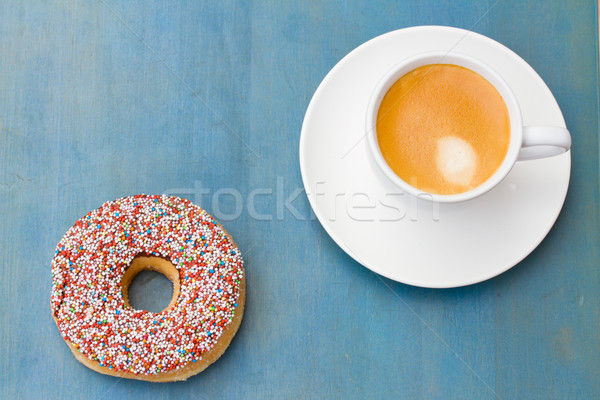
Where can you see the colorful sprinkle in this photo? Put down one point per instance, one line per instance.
(89, 264)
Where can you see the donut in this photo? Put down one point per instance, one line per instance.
(99, 256)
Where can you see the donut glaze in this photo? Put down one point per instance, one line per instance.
(99, 256)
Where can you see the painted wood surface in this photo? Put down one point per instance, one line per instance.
(101, 99)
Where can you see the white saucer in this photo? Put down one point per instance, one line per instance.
(391, 233)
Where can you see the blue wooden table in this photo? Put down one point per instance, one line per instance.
(101, 99)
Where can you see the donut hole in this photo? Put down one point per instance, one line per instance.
(150, 283)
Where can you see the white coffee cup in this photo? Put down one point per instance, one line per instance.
(526, 142)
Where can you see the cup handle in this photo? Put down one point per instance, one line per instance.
(543, 141)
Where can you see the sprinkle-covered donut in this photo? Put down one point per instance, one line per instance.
(100, 255)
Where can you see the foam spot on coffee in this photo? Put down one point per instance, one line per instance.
(456, 160)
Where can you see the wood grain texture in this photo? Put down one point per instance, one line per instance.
(110, 98)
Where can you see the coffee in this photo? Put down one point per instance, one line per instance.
(443, 129)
